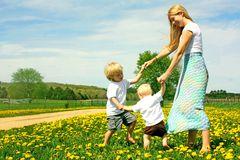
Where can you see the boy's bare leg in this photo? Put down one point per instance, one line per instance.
(146, 141)
(130, 131)
(164, 141)
(107, 137)
(191, 137)
(206, 141)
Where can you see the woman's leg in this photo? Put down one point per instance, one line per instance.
(206, 141)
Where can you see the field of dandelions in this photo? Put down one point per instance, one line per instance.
(82, 137)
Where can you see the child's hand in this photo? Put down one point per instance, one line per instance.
(159, 80)
(163, 83)
(148, 63)
(143, 66)
(163, 78)
(120, 107)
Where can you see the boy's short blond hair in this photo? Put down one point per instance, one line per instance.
(111, 69)
(144, 89)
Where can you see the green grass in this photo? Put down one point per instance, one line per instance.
(46, 106)
(227, 105)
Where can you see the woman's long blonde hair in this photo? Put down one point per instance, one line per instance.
(175, 31)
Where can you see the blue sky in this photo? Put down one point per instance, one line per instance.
(70, 41)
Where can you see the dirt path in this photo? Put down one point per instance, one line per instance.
(21, 121)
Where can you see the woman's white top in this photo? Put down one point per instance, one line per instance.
(195, 45)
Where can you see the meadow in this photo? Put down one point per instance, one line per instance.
(82, 137)
(38, 106)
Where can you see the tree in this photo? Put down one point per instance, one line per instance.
(25, 82)
(50, 93)
(69, 94)
(40, 91)
(3, 92)
(151, 73)
(59, 93)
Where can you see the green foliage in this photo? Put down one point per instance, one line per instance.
(27, 75)
(81, 92)
(3, 92)
(27, 82)
(16, 90)
(40, 91)
(61, 94)
(155, 70)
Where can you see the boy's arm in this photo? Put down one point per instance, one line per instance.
(163, 89)
(116, 102)
(137, 78)
(128, 108)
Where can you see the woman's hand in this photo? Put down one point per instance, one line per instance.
(162, 79)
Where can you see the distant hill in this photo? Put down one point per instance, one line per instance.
(92, 92)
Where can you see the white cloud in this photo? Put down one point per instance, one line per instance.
(15, 51)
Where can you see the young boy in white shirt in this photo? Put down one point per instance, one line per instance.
(151, 111)
(116, 94)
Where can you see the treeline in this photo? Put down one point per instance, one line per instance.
(221, 94)
(58, 91)
(55, 93)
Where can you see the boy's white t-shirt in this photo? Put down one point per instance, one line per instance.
(150, 109)
(119, 91)
(195, 45)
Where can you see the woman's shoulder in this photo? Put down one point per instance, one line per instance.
(192, 26)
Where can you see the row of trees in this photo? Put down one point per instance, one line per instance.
(58, 93)
(220, 94)
(65, 94)
(28, 83)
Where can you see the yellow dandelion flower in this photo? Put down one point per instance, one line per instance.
(209, 156)
(159, 156)
(27, 155)
(147, 155)
(118, 157)
(58, 147)
(101, 145)
(229, 156)
(194, 154)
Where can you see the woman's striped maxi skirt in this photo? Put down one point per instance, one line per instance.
(187, 112)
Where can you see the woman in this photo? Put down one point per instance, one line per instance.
(187, 112)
